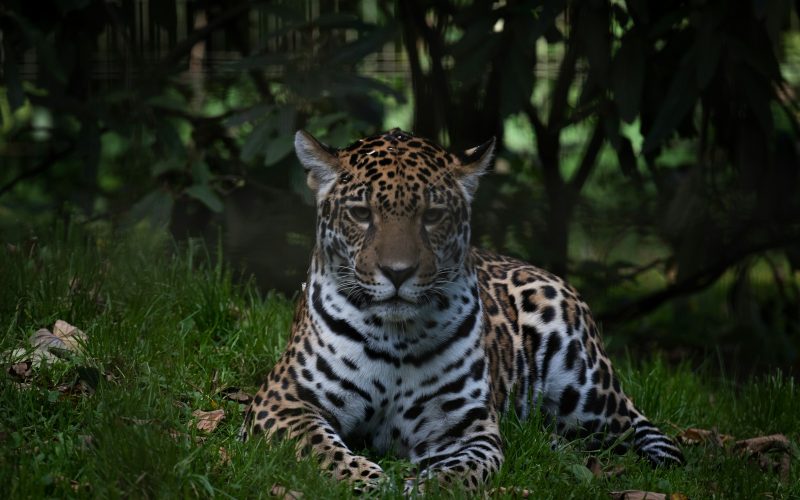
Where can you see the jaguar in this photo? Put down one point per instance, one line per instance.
(407, 340)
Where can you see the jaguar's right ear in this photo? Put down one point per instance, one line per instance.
(319, 160)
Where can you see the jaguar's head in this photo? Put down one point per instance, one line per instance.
(393, 216)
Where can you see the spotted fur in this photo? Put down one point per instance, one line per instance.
(407, 340)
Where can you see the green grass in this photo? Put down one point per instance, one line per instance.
(168, 330)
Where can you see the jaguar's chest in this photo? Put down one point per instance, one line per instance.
(391, 387)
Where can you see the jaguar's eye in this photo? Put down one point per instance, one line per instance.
(360, 214)
(433, 215)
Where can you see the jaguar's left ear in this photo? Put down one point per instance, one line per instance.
(319, 160)
(473, 163)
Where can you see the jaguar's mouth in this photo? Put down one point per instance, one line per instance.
(397, 300)
(395, 309)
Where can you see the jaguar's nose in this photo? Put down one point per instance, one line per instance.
(398, 275)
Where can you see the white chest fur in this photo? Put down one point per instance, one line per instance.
(395, 385)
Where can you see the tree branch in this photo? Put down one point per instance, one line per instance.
(538, 125)
(52, 158)
(182, 48)
(692, 283)
(589, 159)
(431, 90)
(566, 75)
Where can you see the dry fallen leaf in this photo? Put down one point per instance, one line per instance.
(593, 464)
(615, 471)
(74, 485)
(514, 491)
(596, 468)
(86, 441)
(139, 421)
(637, 495)
(694, 435)
(76, 286)
(761, 444)
(773, 453)
(79, 387)
(207, 421)
(224, 456)
(21, 370)
(281, 492)
(178, 436)
(49, 346)
(45, 346)
(237, 395)
(73, 338)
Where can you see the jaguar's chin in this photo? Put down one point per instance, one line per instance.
(396, 310)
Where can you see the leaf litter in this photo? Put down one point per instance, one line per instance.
(693, 436)
(236, 395)
(207, 421)
(280, 491)
(772, 453)
(66, 343)
(63, 343)
(645, 495)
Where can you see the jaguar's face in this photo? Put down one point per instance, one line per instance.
(392, 218)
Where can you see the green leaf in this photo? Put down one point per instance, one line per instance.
(66, 6)
(763, 62)
(16, 96)
(680, 99)
(339, 20)
(204, 194)
(627, 75)
(169, 139)
(759, 97)
(638, 10)
(88, 149)
(471, 67)
(278, 148)
(709, 48)
(201, 174)
(163, 13)
(593, 29)
(517, 81)
(155, 207)
(321, 123)
(165, 165)
(257, 140)
(581, 473)
(611, 129)
(367, 43)
(257, 62)
(251, 114)
(51, 61)
(288, 14)
(169, 100)
(627, 160)
(474, 37)
(590, 90)
(547, 16)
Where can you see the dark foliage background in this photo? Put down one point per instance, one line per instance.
(649, 150)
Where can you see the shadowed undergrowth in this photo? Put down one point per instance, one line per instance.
(169, 331)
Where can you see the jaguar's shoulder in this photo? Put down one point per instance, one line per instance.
(495, 267)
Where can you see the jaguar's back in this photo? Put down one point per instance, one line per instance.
(408, 340)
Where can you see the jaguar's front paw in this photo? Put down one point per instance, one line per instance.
(356, 468)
